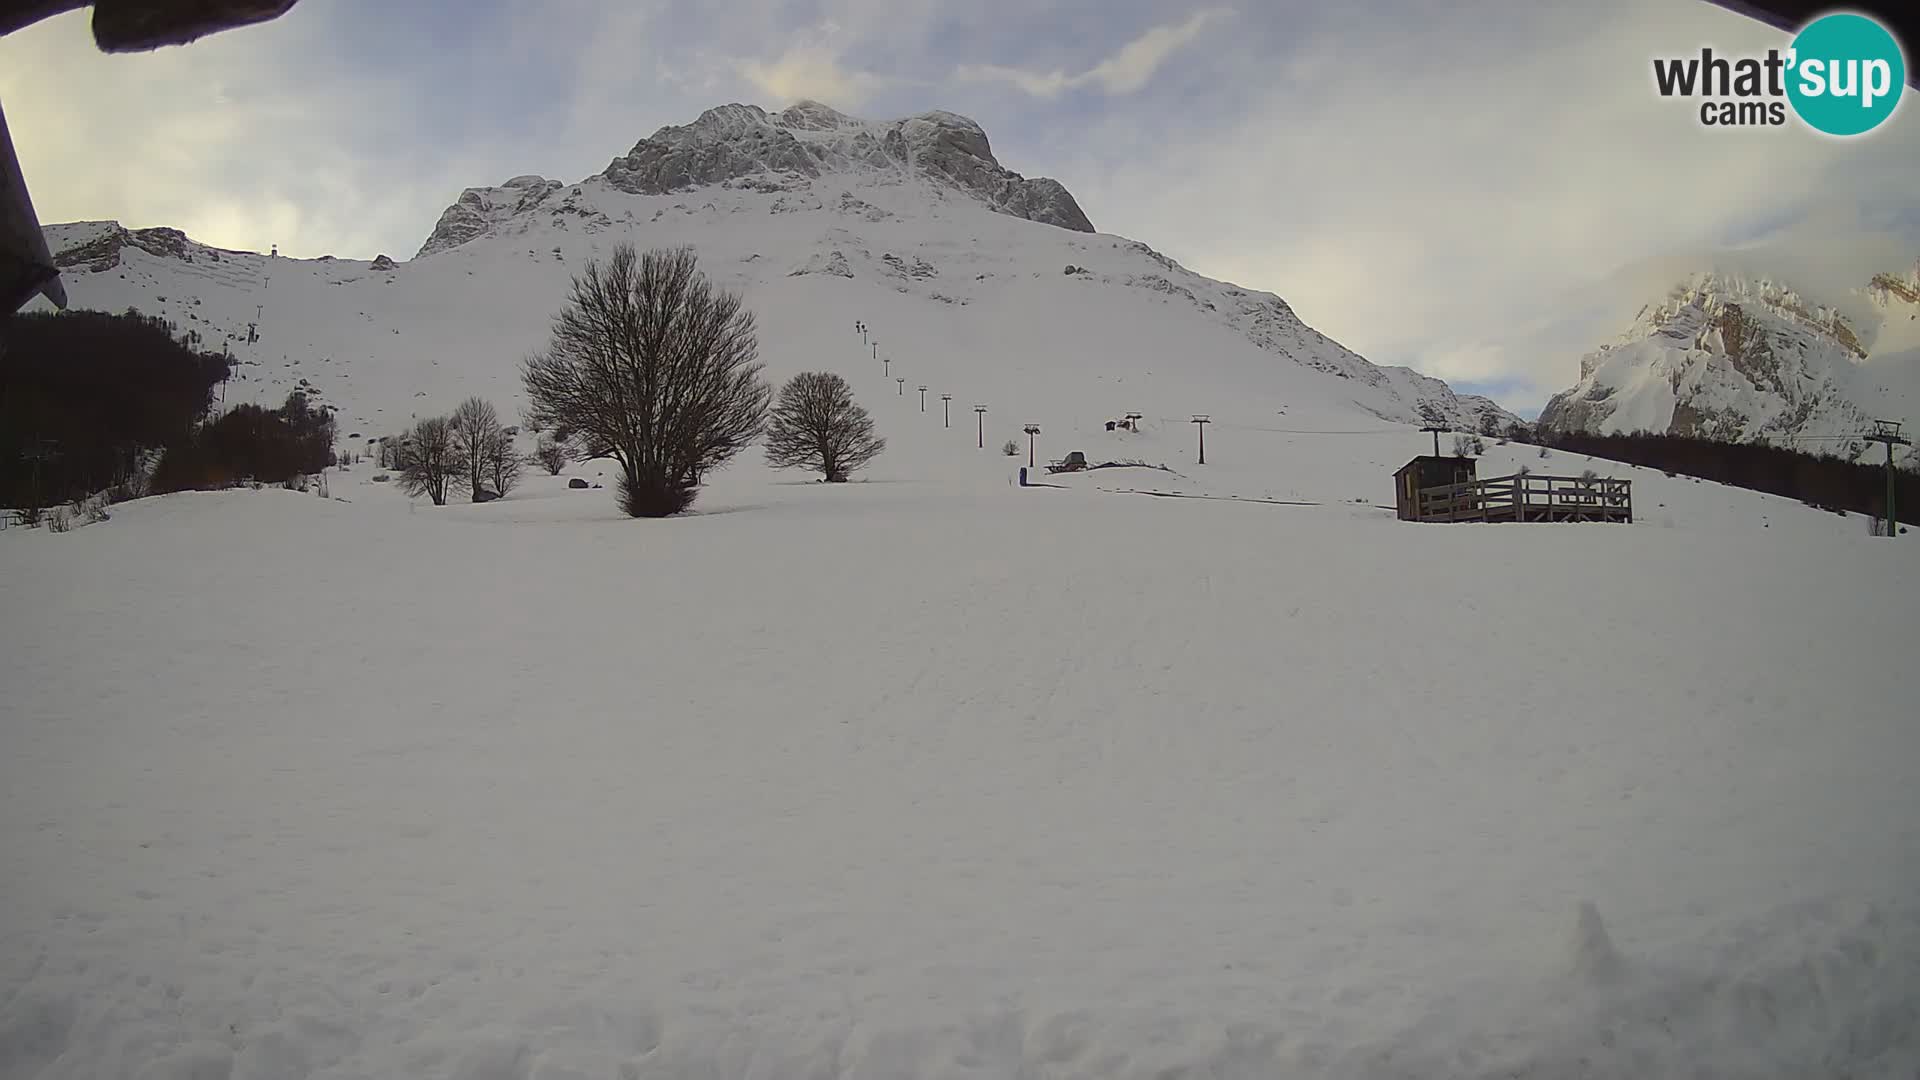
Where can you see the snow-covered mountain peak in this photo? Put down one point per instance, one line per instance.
(1716, 293)
(809, 145)
(809, 115)
(1743, 353)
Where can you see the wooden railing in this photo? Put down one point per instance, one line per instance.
(1529, 497)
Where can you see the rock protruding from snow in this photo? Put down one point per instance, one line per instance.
(481, 211)
(824, 262)
(1591, 951)
(381, 262)
(735, 142)
(100, 250)
(726, 143)
(952, 146)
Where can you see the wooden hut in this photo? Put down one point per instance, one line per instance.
(1427, 471)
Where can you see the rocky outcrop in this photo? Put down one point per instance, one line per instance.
(480, 211)
(726, 143)
(745, 147)
(832, 263)
(381, 262)
(102, 250)
(952, 147)
(744, 142)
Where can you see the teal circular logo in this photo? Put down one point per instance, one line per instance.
(1845, 74)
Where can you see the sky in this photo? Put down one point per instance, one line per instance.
(1463, 187)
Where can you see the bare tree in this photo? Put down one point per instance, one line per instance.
(551, 453)
(817, 425)
(503, 464)
(651, 365)
(476, 428)
(429, 460)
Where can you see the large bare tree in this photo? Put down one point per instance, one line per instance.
(653, 366)
(428, 459)
(817, 425)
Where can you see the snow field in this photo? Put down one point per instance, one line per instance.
(915, 778)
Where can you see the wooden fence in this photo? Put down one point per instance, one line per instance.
(1529, 497)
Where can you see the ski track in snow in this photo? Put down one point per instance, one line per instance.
(911, 779)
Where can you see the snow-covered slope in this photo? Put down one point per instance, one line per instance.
(820, 220)
(1739, 354)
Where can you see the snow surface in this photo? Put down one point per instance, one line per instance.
(935, 775)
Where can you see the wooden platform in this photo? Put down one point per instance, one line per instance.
(1529, 497)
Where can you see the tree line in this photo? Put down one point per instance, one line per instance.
(86, 396)
(1820, 480)
(249, 442)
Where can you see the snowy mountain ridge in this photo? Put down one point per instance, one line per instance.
(912, 217)
(781, 152)
(1739, 354)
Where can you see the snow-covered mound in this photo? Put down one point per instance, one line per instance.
(821, 220)
(1740, 355)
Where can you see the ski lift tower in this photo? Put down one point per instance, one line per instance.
(1888, 431)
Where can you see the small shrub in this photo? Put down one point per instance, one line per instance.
(1011, 449)
(59, 519)
(551, 454)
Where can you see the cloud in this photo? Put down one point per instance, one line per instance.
(1125, 72)
(1459, 188)
(810, 70)
(1457, 217)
